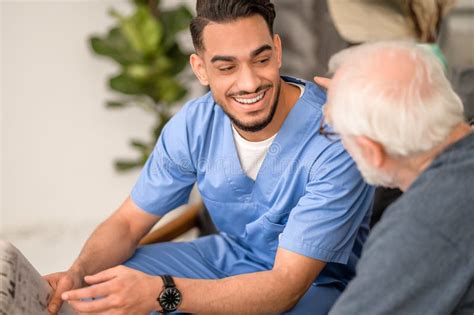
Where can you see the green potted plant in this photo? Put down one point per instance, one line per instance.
(151, 62)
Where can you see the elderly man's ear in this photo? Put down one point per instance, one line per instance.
(372, 151)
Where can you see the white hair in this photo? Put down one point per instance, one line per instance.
(395, 93)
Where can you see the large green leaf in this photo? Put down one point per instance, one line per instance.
(141, 146)
(115, 46)
(127, 85)
(142, 31)
(170, 90)
(174, 21)
(139, 71)
(171, 64)
(126, 165)
(179, 60)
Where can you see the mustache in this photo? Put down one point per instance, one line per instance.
(259, 89)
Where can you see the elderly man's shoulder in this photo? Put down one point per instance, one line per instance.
(442, 198)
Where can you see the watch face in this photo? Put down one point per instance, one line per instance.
(170, 299)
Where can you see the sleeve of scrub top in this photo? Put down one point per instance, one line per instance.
(167, 178)
(325, 222)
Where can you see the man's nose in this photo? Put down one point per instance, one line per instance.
(248, 80)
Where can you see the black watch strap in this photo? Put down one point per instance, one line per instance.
(168, 281)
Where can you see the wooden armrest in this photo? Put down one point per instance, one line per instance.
(186, 221)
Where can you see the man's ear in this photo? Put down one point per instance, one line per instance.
(372, 151)
(278, 49)
(199, 69)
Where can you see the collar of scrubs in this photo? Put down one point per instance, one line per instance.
(296, 128)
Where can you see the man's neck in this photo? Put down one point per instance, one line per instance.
(414, 166)
(289, 95)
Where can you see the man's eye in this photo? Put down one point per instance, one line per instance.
(263, 61)
(226, 69)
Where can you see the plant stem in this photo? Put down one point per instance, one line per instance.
(153, 5)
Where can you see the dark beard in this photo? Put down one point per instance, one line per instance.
(261, 124)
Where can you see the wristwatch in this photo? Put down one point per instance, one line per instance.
(170, 297)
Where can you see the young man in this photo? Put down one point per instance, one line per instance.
(290, 205)
(399, 118)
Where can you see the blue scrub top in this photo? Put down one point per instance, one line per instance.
(308, 197)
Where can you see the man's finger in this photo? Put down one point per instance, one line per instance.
(102, 276)
(95, 306)
(97, 290)
(324, 82)
(51, 280)
(64, 284)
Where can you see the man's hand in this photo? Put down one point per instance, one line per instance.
(118, 290)
(324, 82)
(112, 243)
(61, 282)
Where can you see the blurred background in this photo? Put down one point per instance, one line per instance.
(80, 107)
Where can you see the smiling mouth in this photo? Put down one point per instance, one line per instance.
(250, 101)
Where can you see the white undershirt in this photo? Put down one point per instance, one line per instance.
(251, 154)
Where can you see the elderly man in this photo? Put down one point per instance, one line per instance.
(399, 118)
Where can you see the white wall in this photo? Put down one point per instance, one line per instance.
(57, 139)
(1, 116)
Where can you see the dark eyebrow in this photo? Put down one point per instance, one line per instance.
(253, 54)
(260, 50)
(222, 58)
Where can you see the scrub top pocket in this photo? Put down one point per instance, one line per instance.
(272, 231)
(263, 235)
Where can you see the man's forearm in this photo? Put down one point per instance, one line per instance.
(254, 293)
(109, 245)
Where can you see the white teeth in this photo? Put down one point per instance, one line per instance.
(250, 100)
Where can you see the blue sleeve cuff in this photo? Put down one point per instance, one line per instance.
(326, 255)
(159, 211)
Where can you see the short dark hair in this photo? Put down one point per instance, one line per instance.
(221, 11)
